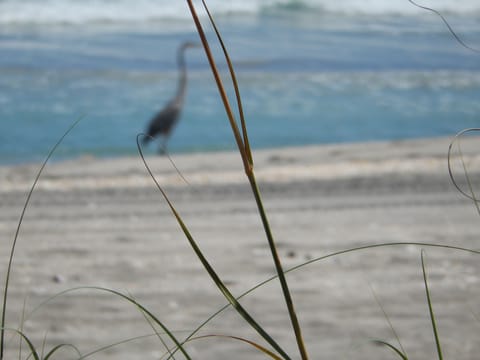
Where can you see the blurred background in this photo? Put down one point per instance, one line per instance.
(310, 72)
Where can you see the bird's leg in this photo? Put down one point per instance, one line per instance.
(162, 149)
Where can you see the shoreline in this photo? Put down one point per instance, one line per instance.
(280, 165)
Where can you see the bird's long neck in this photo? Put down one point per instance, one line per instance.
(182, 79)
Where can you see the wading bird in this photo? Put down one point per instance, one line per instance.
(165, 120)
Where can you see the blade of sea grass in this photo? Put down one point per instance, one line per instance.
(377, 300)
(145, 311)
(246, 142)
(61, 346)
(218, 282)
(17, 232)
(457, 140)
(397, 351)
(221, 89)
(249, 342)
(430, 309)
(248, 167)
(33, 350)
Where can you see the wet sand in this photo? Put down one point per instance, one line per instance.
(95, 222)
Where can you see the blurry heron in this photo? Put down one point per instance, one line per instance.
(165, 120)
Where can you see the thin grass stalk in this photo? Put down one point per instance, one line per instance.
(221, 89)
(17, 233)
(246, 142)
(245, 152)
(397, 351)
(145, 311)
(379, 303)
(216, 279)
(157, 333)
(467, 177)
(457, 139)
(61, 346)
(33, 351)
(280, 272)
(430, 309)
(450, 29)
(249, 342)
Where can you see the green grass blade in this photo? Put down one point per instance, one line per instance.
(280, 272)
(221, 88)
(399, 353)
(430, 309)
(33, 350)
(61, 346)
(471, 195)
(246, 142)
(377, 300)
(17, 232)
(157, 333)
(214, 276)
(249, 342)
(145, 311)
(246, 155)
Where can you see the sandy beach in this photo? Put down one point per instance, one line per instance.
(102, 222)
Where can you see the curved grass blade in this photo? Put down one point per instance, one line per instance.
(249, 342)
(157, 333)
(377, 300)
(61, 346)
(459, 40)
(384, 343)
(145, 311)
(456, 140)
(110, 346)
(33, 350)
(17, 232)
(430, 309)
(216, 279)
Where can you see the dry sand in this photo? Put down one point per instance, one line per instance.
(103, 223)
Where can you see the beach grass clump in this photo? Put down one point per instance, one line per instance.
(272, 349)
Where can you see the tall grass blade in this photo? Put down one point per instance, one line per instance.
(223, 289)
(430, 309)
(248, 166)
(17, 232)
(457, 38)
(221, 89)
(246, 142)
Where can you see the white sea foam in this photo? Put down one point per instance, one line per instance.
(26, 12)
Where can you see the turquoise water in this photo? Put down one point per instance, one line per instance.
(310, 72)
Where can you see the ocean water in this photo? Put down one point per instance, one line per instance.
(310, 72)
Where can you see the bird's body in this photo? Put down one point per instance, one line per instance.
(165, 120)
